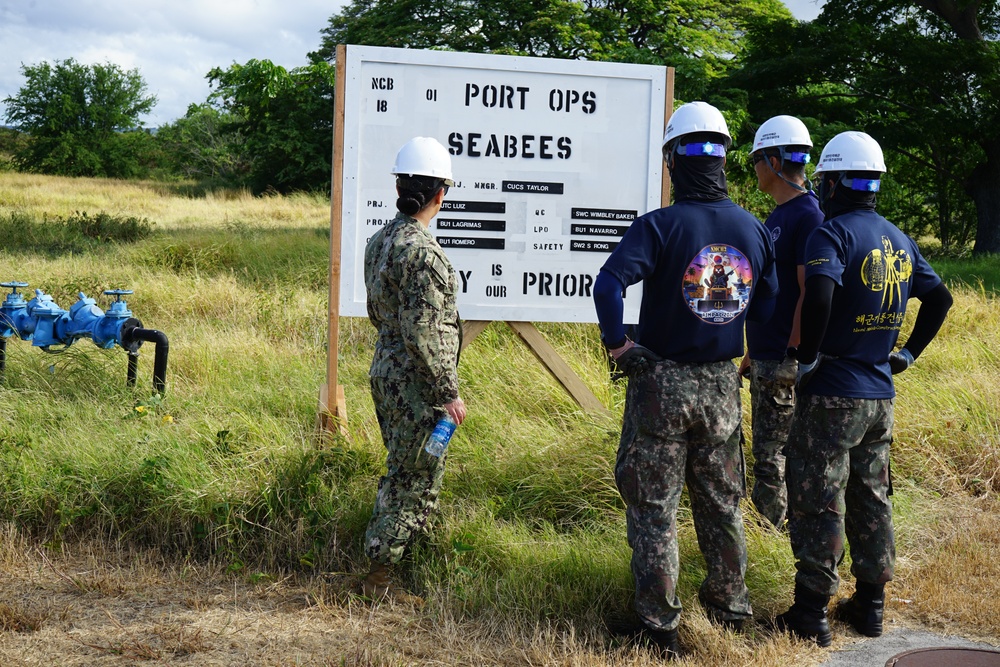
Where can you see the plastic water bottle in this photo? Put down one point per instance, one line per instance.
(437, 441)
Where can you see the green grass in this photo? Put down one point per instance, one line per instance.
(227, 466)
(981, 272)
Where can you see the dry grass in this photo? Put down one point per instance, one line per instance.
(956, 585)
(98, 605)
(159, 202)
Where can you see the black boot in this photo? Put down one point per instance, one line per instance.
(807, 617)
(715, 616)
(664, 642)
(863, 610)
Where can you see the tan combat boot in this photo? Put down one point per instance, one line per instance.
(378, 586)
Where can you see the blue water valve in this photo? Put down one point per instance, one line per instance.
(118, 307)
(13, 313)
(49, 321)
(109, 330)
(84, 318)
(47, 315)
(84, 307)
(45, 324)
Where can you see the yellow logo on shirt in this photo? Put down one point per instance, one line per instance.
(885, 271)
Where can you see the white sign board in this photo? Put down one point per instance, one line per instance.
(552, 159)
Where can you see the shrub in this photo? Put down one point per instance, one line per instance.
(111, 228)
(80, 232)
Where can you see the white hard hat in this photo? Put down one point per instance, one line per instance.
(696, 117)
(851, 151)
(424, 156)
(781, 131)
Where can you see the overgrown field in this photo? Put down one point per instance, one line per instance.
(227, 468)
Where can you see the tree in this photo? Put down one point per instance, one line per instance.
(11, 141)
(82, 119)
(286, 119)
(699, 39)
(203, 145)
(550, 28)
(921, 77)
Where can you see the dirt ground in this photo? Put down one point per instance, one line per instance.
(94, 606)
(91, 606)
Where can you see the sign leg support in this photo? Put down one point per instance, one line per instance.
(471, 329)
(332, 416)
(559, 369)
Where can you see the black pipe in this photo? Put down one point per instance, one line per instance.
(133, 368)
(130, 340)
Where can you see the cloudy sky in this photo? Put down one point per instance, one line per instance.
(173, 43)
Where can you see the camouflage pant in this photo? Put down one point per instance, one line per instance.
(682, 424)
(770, 421)
(408, 492)
(838, 480)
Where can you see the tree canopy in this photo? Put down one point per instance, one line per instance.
(285, 118)
(922, 77)
(699, 39)
(205, 145)
(81, 119)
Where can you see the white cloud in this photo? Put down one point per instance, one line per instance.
(173, 43)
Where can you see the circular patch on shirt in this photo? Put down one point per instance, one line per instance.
(717, 284)
(775, 234)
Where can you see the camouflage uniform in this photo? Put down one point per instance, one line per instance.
(838, 448)
(411, 301)
(682, 424)
(838, 466)
(771, 417)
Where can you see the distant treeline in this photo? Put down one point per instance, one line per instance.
(925, 82)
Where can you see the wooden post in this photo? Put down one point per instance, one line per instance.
(545, 353)
(332, 402)
(668, 110)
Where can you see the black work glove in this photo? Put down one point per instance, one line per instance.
(636, 360)
(806, 371)
(900, 361)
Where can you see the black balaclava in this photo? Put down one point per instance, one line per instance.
(844, 199)
(695, 177)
